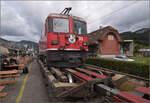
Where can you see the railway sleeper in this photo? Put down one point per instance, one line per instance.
(59, 75)
(82, 76)
(88, 75)
(93, 74)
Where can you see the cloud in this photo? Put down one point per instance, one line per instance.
(126, 17)
(14, 25)
(24, 20)
(130, 18)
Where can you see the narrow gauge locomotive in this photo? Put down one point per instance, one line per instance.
(64, 41)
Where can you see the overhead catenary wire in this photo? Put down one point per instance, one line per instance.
(113, 12)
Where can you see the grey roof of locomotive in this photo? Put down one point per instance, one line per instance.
(66, 16)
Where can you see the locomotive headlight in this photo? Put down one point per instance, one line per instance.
(85, 44)
(72, 38)
(54, 42)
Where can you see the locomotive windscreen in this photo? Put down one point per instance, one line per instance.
(79, 27)
(61, 25)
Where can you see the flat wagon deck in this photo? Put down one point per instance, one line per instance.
(84, 84)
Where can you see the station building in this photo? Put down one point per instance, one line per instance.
(106, 42)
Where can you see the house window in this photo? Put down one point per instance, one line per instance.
(110, 37)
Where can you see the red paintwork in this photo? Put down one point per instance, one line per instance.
(77, 79)
(96, 74)
(83, 76)
(71, 25)
(110, 47)
(46, 38)
(143, 90)
(132, 97)
(116, 99)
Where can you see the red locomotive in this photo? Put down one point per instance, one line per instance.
(64, 42)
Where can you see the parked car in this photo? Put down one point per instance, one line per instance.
(123, 58)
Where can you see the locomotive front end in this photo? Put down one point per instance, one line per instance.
(66, 41)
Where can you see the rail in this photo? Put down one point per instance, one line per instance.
(129, 75)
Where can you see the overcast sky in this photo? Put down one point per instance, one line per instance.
(22, 20)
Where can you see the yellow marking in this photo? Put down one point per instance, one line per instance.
(22, 87)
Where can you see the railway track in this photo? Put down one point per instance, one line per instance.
(116, 72)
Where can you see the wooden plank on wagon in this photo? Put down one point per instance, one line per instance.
(51, 78)
(118, 76)
(62, 84)
(80, 75)
(59, 74)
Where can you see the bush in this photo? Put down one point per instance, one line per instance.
(134, 68)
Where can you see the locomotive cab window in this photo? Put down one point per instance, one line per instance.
(60, 25)
(49, 25)
(79, 27)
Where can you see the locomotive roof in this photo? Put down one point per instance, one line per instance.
(66, 16)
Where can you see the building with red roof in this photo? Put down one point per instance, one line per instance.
(107, 40)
